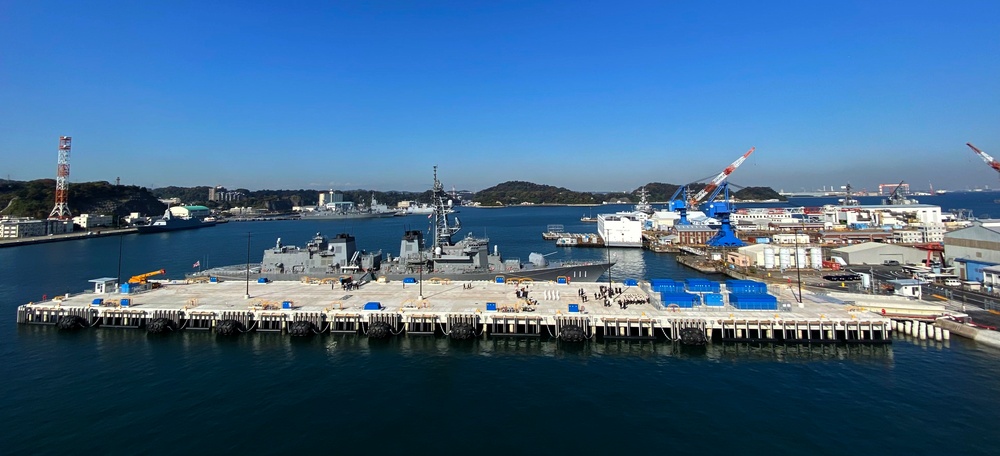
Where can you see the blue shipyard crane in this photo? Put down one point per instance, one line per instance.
(725, 237)
(678, 203)
(681, 205)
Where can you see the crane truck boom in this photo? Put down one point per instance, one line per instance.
(986, 157)
(714, 183)
(141, 278)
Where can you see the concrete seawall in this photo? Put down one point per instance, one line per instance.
(983, 336)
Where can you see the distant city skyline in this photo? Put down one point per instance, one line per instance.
(590, 96)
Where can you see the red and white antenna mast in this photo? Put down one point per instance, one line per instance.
(61, 211)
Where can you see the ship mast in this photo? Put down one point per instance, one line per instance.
(442, 231)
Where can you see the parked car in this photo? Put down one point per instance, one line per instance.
(842, 277)
(890, 263)
(953, 282)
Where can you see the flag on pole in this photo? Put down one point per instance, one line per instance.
(196, 264)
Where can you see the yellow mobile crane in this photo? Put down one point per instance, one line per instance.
(141, 278)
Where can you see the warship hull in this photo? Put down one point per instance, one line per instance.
(573, 273)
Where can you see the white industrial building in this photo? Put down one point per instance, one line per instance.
(88, 221)
(190, 211)
(19, 227)
(621, 230)
(883, 215)
(973, 249)
(768, 256)
(878, 253)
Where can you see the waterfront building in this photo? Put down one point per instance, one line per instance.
(766, 256)
(190, 211)
(877, 253)
(20, 227)
(87, 221)
(973, 249)
(621, 230)
(694, 234)
(219, 193)
(878, 215)
(854, 237)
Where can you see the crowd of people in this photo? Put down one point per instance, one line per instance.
(614, 295)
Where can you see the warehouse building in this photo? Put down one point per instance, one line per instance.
(878, 253)
(973, 249)
(190, 211)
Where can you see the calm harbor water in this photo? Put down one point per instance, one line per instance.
(125, 392)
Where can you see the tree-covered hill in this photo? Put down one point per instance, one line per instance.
(519, 192)
(37, 198)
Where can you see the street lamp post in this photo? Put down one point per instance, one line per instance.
(798, 267)
(248, 266)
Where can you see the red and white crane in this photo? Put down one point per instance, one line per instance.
(986, 157)
(717, 180)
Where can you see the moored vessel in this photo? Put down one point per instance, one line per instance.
(468, 259)
(171, 222)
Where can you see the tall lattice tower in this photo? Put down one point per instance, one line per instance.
(61, 211)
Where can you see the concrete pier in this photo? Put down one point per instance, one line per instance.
(460, 310)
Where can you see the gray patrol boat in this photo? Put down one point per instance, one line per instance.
(466, 259)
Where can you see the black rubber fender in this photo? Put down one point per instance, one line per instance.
(71, 322)
(301, 328)
(692, 336)
(379, 330)
(160, 326)
(462, 331)
(572, 333)
(228, 328)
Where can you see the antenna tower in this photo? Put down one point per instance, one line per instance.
(61, 211)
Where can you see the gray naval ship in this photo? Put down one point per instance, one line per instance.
(466, 259)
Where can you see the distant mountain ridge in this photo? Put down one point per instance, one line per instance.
(36, 198)
(519, 192)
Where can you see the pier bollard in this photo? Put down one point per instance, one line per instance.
(937, 333)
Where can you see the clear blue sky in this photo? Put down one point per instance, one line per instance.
(589, 95)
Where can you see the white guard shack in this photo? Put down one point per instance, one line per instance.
(105, 285)
(911, 288)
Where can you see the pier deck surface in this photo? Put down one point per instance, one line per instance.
(461, 298)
